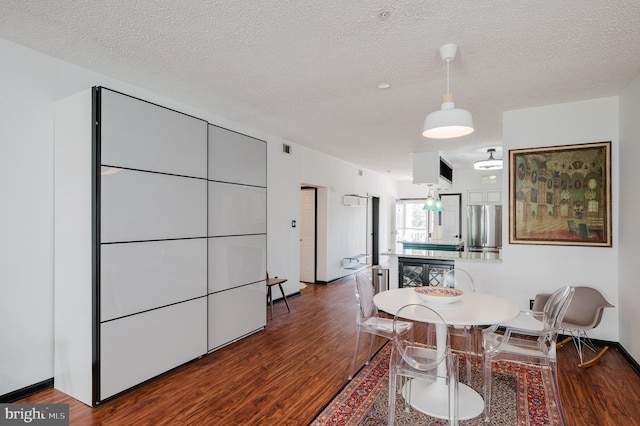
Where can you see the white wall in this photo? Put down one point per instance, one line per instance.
(283, 206)
(530, 269)
(31, 83)
(345, 225)
(629, 202)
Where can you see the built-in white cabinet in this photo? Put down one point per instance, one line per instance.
(236, 313)
(144, 136)
(139, 276)
(160, 241)
(484, 196)
(141, 206)
(236, 260)
(236, 158)
(237, 237)
(139, 347)
(247, 216)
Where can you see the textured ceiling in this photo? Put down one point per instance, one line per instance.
(308, 70)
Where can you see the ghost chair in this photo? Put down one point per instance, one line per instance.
(368, 321)
(462, 280)
(583, 314)
(528, 338)
(421, 372)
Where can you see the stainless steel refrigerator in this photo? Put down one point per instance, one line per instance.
(484, 227)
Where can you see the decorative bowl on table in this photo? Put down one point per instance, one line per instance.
(442, 295)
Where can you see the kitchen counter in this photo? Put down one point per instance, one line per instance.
(445, 255)
(433, 244)
(415, 267)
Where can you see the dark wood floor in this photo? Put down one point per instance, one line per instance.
(287, 373)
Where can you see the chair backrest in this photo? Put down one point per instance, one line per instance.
(364, 297)
(460, 279)
(585, 309)
(555, 308)
(584, 231)
(416, 348)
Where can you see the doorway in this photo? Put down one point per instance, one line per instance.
(373, 217)
(308, 233)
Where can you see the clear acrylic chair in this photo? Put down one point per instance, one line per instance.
(462, 280)
(583, 314)
(527, 338)
(416, 363)
(367, 319)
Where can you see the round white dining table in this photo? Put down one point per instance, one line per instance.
(471, 309)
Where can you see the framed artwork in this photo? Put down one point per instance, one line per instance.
(561, 195)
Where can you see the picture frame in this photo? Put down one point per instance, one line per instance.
(561, 195)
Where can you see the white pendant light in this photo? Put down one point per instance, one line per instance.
(448, 121)
(488, 164)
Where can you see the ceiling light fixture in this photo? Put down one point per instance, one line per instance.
(433, 202)
(448, 121)
(488, 164)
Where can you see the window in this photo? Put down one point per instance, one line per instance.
(411, 220)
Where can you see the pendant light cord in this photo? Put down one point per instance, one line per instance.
(448, 89)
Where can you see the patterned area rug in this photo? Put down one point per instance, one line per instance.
(521, 395)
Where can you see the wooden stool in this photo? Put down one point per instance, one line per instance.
(270, 283)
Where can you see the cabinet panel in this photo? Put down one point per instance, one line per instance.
(416, 272)
(475, 196)
(237, 158)
(236, 209)
(72, 270)
(139, 347)
(236, 312)
(135, 277)
(144, 136)
(494, 196)
(139, 206)
(236, 261)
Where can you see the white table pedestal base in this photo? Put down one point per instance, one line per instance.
(431, 398)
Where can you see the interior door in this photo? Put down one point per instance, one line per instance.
(308, 235)
(451, 218)
(373, 227)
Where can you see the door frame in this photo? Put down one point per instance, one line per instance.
(375, 228)
(315, 232)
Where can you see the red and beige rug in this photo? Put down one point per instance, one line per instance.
(521, 396)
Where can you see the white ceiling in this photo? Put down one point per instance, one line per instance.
(308, 70)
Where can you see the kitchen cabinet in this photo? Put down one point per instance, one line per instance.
(418, 272)
(484, 196)
(442, 245)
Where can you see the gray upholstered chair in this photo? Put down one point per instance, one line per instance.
(583, 314)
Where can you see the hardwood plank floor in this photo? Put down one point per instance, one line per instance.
(287, 373)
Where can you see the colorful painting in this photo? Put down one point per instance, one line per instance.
(561, 195)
